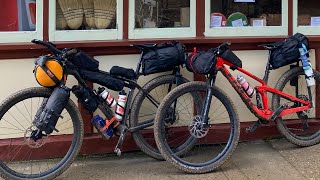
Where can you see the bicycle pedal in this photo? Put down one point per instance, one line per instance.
(117, 151)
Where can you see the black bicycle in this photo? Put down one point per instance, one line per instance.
(26, 151)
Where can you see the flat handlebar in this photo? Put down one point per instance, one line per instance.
(59, 53)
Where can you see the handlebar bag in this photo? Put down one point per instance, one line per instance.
(288, 52)
(103, 79)
(201, 62)
(163, 57)
(84, 61)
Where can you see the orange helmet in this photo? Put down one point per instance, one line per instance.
(48, 71)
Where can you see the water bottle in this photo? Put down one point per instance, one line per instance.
(306, 65)
(99, 123)
(111, 102)
(246, 86)
(122, 98)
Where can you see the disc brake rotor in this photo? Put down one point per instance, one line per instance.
(197, 129)
(34, 140)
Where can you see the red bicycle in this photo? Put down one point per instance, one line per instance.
(204, 111)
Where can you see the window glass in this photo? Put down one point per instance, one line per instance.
(308, 13)
(18, 15)
(240, 13)
(86, 14)
(162, 13)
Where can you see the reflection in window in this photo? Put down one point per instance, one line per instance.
(239, 13)
(162, 13)
(308, 13)
(86, 14)
(18, 15)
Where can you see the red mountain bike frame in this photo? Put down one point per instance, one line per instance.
(265, 113)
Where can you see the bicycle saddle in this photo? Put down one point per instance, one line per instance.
(144, 46)
(271, 46)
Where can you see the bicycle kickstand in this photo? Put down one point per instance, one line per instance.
(123, 132)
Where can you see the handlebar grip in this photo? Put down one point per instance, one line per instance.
(49, 45)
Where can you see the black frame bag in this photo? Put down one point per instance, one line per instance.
(163, 57)
(287, 51)
(84, 61)
(103, 79)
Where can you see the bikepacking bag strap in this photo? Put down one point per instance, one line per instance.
(50, 74)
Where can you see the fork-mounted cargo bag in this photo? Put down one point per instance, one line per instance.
(49, 112)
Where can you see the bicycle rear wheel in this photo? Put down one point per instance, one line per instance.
(302, 128)
(215, 142)
(144, 110)
(21, 157)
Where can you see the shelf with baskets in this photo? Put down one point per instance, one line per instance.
(230, 18)
(162, 19)
(306, 17)
(21, 20)
(80, 20)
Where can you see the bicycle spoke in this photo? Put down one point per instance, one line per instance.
(29, 156)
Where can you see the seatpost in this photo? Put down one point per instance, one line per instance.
(267, 71)
(139, 66)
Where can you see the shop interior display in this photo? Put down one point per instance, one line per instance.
(243, 13)
(162, 13)
(85, 14)
(308, 13)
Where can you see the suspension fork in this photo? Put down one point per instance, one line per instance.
(208, 97)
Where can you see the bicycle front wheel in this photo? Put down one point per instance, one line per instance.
(22, 157)
(215, 140)
(301, 128)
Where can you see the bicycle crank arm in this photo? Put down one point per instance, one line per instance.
(123, 132)
(277, 112)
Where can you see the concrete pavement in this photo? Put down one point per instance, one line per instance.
(274, 159)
